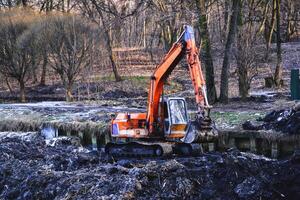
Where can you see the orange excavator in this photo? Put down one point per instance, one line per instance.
(166, 128)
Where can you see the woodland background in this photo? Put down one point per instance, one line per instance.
(243, 43)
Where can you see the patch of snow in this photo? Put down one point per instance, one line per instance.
(74, 141)
(26, 136)
(256, 156)
(49, 132)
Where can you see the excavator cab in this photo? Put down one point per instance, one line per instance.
(175, 117)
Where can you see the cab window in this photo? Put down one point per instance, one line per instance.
(178, 111)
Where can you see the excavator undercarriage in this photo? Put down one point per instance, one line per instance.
(155, 149)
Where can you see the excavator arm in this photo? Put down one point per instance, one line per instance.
(184, 46)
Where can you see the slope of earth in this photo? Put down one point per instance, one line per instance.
(31, 169)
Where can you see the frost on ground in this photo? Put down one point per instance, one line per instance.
(65, 116)
(31, 169)
(33, 116)
(58, 111)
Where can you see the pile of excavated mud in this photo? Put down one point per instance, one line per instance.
(285, 121)
(61, 169)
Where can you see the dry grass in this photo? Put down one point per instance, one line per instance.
(31, 126)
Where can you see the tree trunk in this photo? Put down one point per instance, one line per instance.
(230, 38)
(22, 91)
(69, 96)
(270, 30)
(278, 70)
(44, 69)
(34, 69)
(8, 85)
(244, 85)
(242, 58)
(144, 31)
(35, 79)
(114, 67)
(225, 27)
(111, 56)
(24, 3)
(205, 44)
(288, 25)
(108, 44)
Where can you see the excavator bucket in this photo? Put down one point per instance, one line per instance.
(201, 132)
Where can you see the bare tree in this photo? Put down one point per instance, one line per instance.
(41, 5)
(99, 11)
(108, 14)
(18, 52)
(278, 70)
(269, 25)
(170, 20)
(226, 61)
(246, 57)
(44, 67)
(70, 41)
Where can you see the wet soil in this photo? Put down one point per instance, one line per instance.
(284, 120)
(34, 169)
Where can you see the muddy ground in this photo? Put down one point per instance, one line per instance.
(32, 169)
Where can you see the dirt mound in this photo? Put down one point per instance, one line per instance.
(285, 120)
(35, 170)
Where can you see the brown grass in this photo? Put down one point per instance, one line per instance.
(29, 126)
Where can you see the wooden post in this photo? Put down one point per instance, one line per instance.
(107, 138)
(231, 143)
(144, 35)
(253, 145)
(80, 135)
(274, 150)
(94, 142)
(211, 147)
(56, 132)
(68, 133)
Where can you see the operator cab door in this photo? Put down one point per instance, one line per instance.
(176, 118)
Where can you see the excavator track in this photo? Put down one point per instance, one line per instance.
(144, 149)
(139, 149)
